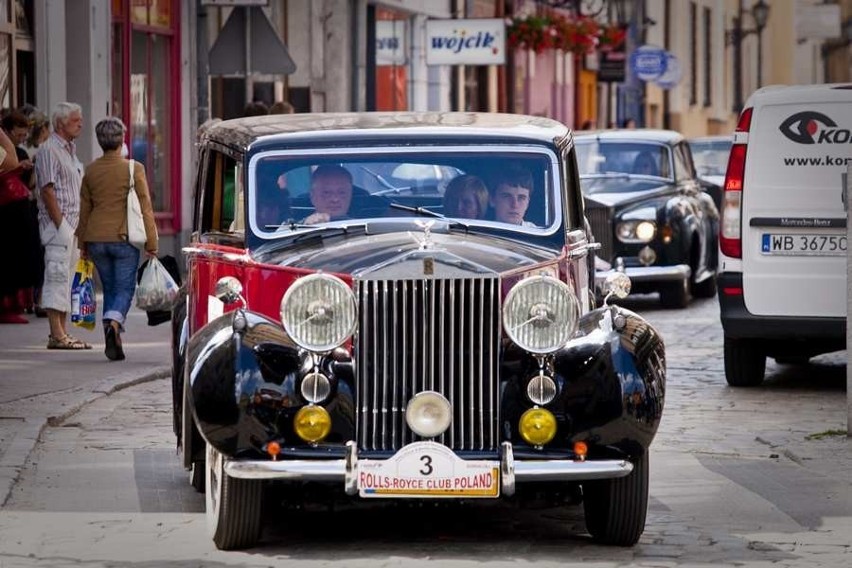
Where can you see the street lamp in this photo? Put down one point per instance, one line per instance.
(760, 15)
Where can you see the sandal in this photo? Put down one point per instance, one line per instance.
(66, 342)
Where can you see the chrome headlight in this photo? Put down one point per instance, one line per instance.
(636, 231)
(318, 312)
(540, 314)
(541, 389)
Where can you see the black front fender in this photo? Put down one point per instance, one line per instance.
(611, 384)
(232, 388)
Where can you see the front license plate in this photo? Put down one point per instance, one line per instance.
(428, 469)
(803, 245)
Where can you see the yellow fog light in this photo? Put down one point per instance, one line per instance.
(312, 423)
(537, 426)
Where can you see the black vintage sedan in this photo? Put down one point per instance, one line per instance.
(649, 212)
(398, 306)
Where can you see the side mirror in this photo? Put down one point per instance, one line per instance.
(616, 284)
(229, 290)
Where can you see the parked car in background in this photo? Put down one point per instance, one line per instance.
(710, 154)
(397, 352)
(783, 240)
(649, 212)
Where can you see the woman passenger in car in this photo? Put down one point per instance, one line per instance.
(466, 196)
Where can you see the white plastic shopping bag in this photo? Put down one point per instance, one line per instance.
(157, 290)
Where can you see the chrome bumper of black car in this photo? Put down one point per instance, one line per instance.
(511, 472)
(643, 274)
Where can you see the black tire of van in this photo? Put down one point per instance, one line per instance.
(745, 362)
(706, 288)
(675, 295)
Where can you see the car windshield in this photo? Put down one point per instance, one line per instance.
(710, 156)
(601, 157)
(294, 190)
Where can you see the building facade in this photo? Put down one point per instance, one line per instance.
(149, 62)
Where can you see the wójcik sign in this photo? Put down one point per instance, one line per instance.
(466, 42)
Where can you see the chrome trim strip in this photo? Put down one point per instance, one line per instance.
(451, 390)
(386, 412)
(395, 439)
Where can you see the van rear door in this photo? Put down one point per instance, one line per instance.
(793, 217)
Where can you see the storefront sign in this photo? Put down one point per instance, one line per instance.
(612, 65)
(390, 42)
(466, 42)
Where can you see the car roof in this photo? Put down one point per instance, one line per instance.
(627, 134)
(291, 127)
(713, 138)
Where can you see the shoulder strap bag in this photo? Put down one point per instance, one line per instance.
(135, 223)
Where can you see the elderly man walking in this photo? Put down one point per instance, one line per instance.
(58, 177)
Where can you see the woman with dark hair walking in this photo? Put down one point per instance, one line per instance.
(102, 230)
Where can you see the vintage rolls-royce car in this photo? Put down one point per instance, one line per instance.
(348, 324)
(649, 212)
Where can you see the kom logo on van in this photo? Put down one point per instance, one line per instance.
(811, 127)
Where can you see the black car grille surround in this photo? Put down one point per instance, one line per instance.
(600, 218)
(418, 335)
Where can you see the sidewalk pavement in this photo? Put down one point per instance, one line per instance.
(40, 387)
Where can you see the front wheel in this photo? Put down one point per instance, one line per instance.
(745, 362)
(615, 509)
(233, 506)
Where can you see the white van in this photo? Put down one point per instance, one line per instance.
(782, 281)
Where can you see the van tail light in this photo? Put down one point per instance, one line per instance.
(744, 123)
(730, 234)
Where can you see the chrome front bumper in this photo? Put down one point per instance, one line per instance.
(511, 472)
(637, 274)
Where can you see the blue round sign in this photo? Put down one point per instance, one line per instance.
(673, 74)
(648, 62)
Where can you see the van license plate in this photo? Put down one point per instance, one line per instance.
(803, 245)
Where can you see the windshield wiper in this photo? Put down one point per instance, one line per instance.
(380, 178)
(423, 212)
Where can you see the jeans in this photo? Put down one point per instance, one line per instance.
(116, 264)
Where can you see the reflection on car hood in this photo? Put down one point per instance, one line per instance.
(406, 255)
(611, 191)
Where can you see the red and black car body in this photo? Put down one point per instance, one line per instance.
(472, 344)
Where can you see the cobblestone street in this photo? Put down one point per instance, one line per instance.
(740, 477)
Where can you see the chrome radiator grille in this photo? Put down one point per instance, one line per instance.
(416, 335)
(600, 219)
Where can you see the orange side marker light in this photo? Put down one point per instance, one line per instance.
(273, 449)
(581, 450)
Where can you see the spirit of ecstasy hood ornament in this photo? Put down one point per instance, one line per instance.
(426, 241)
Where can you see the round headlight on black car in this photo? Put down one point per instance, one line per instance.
(540, 314)
(636, 231)
(318, 312)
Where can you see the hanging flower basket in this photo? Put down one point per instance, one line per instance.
(531, 33)
(611, 37)
(577, 35)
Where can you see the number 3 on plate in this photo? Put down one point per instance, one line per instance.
(427, 464)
